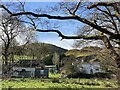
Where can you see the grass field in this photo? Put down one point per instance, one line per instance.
(58, 83)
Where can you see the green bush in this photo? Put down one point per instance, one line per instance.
(108, 84)
(55, 80)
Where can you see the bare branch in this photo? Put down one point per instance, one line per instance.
(6, 9)
(83, 20)
(76, 8)
(113, 21)
(100, 4)
(75, 17)
(71, 37)
(114, 5)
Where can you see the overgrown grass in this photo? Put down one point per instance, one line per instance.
(57, 75)
(16, 57)
(57, 83)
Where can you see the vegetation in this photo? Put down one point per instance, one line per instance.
(100, 23)
(91, 54)
(86, 51)
(56, 75)
(33, 49)
(56, 60)
(57, 83)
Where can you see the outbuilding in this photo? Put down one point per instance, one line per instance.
(30, 72)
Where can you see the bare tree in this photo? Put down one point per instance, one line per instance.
(11, 29)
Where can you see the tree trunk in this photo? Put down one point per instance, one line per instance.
(5, 58)
(118, 77)
(115, 56)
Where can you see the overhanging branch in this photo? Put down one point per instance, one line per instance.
(73, 17)
(71, 37)
(92, 37)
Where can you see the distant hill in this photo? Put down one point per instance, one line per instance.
(86, 53)
(53, 48)
(45, 46)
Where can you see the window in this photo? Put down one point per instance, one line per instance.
(97, 69)
(42, 71)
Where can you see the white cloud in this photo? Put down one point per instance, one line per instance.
(67, 44)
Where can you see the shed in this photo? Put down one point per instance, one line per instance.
(30, 72)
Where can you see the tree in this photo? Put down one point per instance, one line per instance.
(37, 50)
(105, 20)
(48, 60)
(68, 69)
(10, 30)
(106, 60)
(56, 60)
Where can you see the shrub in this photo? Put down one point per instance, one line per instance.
(108, 84)
(55, 80)
(23, 79)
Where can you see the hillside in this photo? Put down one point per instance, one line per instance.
(90, 54)
(39, 48)
(86, 51)
(53, 48)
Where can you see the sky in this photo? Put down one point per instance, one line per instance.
(59, 0)
(66, 28)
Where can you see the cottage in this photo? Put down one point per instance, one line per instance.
(30, 68)
(29, 72)
(89, 68)
(23, 72)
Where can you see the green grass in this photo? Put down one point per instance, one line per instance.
(57, 83)
(16, 57)
(54, 75)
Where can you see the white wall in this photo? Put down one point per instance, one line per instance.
(32, 70)
(87, 67)
(20, 69)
